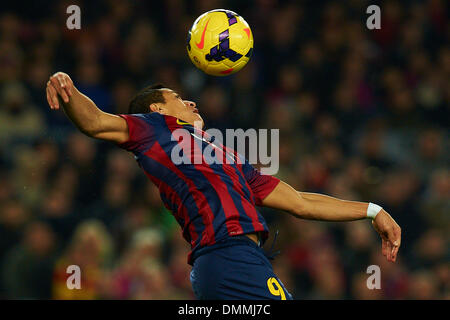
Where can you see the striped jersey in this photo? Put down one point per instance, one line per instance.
(210, 200)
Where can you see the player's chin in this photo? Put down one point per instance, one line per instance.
(198, 121)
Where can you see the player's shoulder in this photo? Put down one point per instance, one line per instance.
(153, 118)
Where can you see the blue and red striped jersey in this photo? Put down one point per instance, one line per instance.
(210, 201)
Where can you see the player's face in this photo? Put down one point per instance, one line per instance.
(182, 109)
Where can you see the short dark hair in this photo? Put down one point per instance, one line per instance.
(144, 98)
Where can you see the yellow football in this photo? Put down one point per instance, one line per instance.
(220, 42)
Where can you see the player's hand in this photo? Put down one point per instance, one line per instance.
(61, 85)
(390, 234)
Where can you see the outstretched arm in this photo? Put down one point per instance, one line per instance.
(315, 206)
(83, 112)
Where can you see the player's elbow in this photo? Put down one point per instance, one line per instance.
(302, 209)
(88, 131)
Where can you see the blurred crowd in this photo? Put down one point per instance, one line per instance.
(363, 115)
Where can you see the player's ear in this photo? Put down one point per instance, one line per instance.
(154, 107)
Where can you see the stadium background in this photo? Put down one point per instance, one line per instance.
(363, 115)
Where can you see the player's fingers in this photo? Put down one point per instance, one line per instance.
(394, 253)
(383, 247)
(394, 240)
(57, 84)
(53, 96)
(396, 247)
(64, 96)
(388, 250)
(49, 100)
(69, 85)
(48, 96)
(66, 85)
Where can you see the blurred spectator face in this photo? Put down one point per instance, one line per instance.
(9, 25)
(280, 116)
(39, 238)
(329, 282)
(56, 204)
(355, 171)
(66, 180)
(327, 127)
(332, 155)
(121, 165)
(91, 244)
(290, 79)
(38, 74)
(50, 31)
(88, 50)
(311, 54)
(11, 57)
(339, 186)
(419, 63)
(107, 31)
(287, 150)
(430, 144)
(444, 60)
(14, 98)
(147, 243)
(13, 214)
(143, 33)
(117, 192)
(402, 101)
(307, 104)
(440, 184)
(411, 35)
(89, 73)
(123, 92)
(359, 236)
(6, 189)
(423, 286)
(344, 97)
(48, 153)
(282, 26)
(392, 79)
(213, 102)
(353, 68)
(81, 149)
(136, 218)
(313, 173)
(372, 144)
(169, 76)
(245, 79)
(397, 187)
(432, 246)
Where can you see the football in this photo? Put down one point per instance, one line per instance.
(220, 42)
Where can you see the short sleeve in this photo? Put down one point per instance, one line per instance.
(141, 132)
(261, 185)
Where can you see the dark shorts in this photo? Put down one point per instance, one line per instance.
(236, 268)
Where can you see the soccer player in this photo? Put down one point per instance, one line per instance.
(215, 204)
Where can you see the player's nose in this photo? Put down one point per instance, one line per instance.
(191, 104)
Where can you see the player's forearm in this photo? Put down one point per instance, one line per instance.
(314, 206)
(321, 207)
(83, 112)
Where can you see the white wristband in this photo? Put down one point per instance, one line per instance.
(372, 210)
